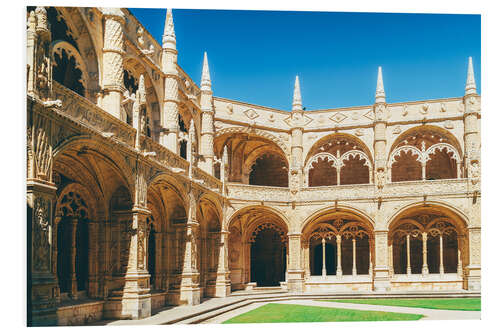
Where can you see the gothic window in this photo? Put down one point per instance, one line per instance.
(66, 72)
(269, 170)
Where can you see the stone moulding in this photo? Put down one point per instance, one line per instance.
(84, 112)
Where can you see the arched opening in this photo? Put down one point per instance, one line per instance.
(354, 171)
(253, 159)
(72, 244)
(338, 159)
(268, 258)
(441, 165)
(338, 243)
(257, 248)
(427, 240)
(317, 257)
(406, 168)
(66, 72)
(323, 173)
(269, 170)
(184, 134)
(425, 152)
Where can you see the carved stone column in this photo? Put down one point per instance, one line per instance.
(339, 256)
(307, 260)
(441, 263)
(295, 270)
(113, 62)
(473, 269)
(93, 289)
(425, 267)
(223, 283)
(381, 280)
(42, 290)
(408, 262)
(190, 279)
(42, 280)
(323, 267)
(72, 254)
(354, 270)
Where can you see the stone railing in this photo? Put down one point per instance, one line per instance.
(348, 192)
(258, 193)
(336, 192)
(163, 155)
(84, 112)
(208, 180)
(426, 187)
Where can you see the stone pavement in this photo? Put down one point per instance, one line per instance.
(214, 310)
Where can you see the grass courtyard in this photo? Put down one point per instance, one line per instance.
(291, 313)
(464, 304)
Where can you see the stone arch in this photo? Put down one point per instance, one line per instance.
(175, 185)
(85, 42)
(83, 143)
(354, 212)
(352, 161)
(337, 241)
(243, 210)
(449, 209)
(437, 152)
(256, 132)
(427, 238)
(135, 67)
(93, 207)
(61, 48)
(358, 142)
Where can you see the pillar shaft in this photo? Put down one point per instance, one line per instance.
(425, 267)
(323, 269)
(339, 255)
(113, 63)
(441, 264)
(354, 270)
(408, 262)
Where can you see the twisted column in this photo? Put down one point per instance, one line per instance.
(425, 267)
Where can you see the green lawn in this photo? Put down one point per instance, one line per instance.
(466, 304)
(291, 313)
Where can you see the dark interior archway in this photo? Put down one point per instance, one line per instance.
(268, 258)
(330, 259)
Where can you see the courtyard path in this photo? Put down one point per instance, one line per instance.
(429, 314)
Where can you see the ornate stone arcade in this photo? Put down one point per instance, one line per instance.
(144, 190)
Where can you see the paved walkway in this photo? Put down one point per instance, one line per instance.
(239, 302)
(429, 314)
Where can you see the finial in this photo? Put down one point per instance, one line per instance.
(206, 83)
(470, 85)
(380, 93)
(224, 157)
(192, 132)
(141, 91)
(31, 21)
(168, 39)
(297, 98)
(41, 18)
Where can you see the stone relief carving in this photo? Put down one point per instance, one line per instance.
(41, 234)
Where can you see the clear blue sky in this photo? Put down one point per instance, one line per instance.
(255, 55)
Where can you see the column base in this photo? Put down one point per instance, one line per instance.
(43, 307)
(381, 280)
(473, 278)
(127, 306)
(295, 282)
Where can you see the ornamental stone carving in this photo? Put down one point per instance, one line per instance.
(41, 234)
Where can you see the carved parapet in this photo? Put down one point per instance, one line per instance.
(207, 179)
(258, 193)
(163, 155)
(89, 115)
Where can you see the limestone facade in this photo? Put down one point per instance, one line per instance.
(143, 189)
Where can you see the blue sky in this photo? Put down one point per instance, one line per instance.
(255, 55)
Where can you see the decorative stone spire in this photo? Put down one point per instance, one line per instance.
(41, 19)
(206, 83)
(297, 98)
(470, 85)
(141, 91)
(168, 39)
(380, 93)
